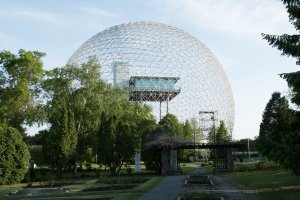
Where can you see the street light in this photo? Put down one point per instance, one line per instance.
(248, 150)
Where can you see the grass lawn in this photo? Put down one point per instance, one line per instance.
(120, 187)
(139, 190)
(90, 185)
(271, 184)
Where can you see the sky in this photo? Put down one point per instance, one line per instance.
(230, 28)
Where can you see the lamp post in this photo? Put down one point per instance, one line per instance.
(194, 144)
(248, 150)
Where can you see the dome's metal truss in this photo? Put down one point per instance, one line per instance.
(157, 50)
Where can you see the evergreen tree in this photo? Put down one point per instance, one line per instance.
(125, 147)
(188, 131)
(290, 45)
(14, 155)
(279, 135)
(222, 134)
(212, 134)
(61, 140)
(106, 138)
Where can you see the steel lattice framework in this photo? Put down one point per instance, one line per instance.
(149, 49)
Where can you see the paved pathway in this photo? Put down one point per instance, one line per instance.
(169, 188)
(172, 187)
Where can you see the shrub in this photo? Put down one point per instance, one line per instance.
(256, 166)
(129, 170)
(14, 155)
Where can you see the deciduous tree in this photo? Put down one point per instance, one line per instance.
(20, 79)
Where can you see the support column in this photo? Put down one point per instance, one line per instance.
(159, 110)
(137, 162)
(168, 104)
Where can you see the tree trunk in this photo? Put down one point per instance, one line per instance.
(113, 169)
(75, 167)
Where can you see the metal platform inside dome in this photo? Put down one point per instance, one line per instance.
(146, 88)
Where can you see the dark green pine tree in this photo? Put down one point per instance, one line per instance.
(106, 142)
(68, 140)
(125, 147)
(211, 137)
(188, 133)
(288, 152)
(222, 135)
(276, 130)
(290, 46)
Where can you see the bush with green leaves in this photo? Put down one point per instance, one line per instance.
(14, 155)
(256, 166)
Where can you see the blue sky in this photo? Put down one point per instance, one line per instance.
(230, 28)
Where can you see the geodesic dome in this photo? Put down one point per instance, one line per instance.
(149, 49)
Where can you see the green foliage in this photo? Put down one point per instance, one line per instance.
(88, 155)
(61, 140)
(120, 133)
(212, 134)
(20, 78)
(188, 131)
(256, 166)
(253, 144)
(14, 155)
(170, 124)
(76, 97)
(36, 154)
(124, 142)
(276, 121)
(218, 134)
(222, 134)
(279, 133)
(285, 135)
(293, 80)
(288, 44)
(36, 139)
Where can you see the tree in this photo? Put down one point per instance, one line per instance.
(285, 135)
(20, 79)
(279, 135)
(170, 124)
(188, 131)
(81, 91)
(212, 134)
(61, 140)
(222, 134)
(107, 143)
(14, 155)
(288, 44)
(119, 138)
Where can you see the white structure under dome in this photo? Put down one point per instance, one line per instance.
(149, 49)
